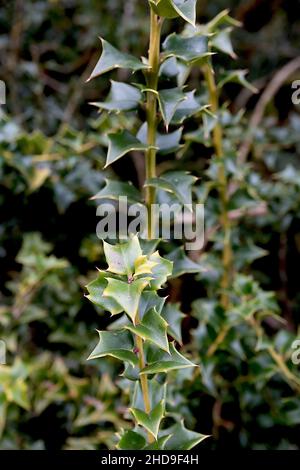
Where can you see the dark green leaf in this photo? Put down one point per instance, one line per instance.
(150, 421)
(164, 362)
(111, 59)
(131, 440)
(181, 438)
(152, 328)
(169, 101)
(118, 344)
(96, 289)
(122, 97)
(114, 189)
(173, 316)
(189, 49)
(121, 143)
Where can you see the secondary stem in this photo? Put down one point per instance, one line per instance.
(152, 121)
(223, 186)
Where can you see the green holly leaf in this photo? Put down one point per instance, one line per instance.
(152, 328)
(237, 76)
(163, 362)
(165, 143)
(169, 101)
(181, 438)
(183, 264)
(178, 183)
(122, 97)
(188, 49)
(160, 272)
(111, 59)
(150, 299)
(114, 189)
(117, 344)
(121, 258)
(222, 42)
(173, 68)
(221, 19)
(95, 295)
(188, 108)
(150, 421)
(120, 143)
(173, 316)
(174, 8)
(131, 440)
(127, 294)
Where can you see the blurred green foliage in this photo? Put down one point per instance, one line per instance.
(51, 160)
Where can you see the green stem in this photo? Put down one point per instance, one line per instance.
(152, 122)
(223, 186)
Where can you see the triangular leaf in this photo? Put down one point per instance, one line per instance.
(150, 421)
(222, 42)
(237, 76)
(127, 294)
(122, 97)
(169, 101)
(183, 264)
(118, 344)
(111, 59)
(165, 143)
(178, 183)
(188, 49)
(114, 189)
(173, 317)
(152, 328)
(121, 258)
(96, 289)
(181, 438)
(162, 362)
(121, 143)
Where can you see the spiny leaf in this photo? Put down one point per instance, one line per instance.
(178, 183)
(152, 328)
(220, 19)
(188, 49)
(188, 108)
(131, 440)
(181, 438)
(222, 42)
(165, 143)
(127, 294)
(160, 272)
(113, 189)
(150, 421)
(172, 67)
(121, 258)
(173, 8)
(237, 76)
(111, 59)
(121, 143)
(173, 316)
(96, 289)
(183, 264)
(162, 362)
(118, 344)
(150, 299)
(169, 101)
(122, 97)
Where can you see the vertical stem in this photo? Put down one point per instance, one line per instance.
(223, 186)
(152, 121)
